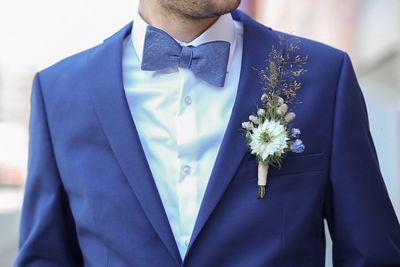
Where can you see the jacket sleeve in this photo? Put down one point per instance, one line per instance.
(363, 225)
(47, 230)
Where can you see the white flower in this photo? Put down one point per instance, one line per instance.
(247, 125)
(269, 138)
(280, 100)
(261, 112)
(264, 97)
(254, 119)
(290, 116)
(282, 109)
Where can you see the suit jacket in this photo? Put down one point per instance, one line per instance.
(91, 200)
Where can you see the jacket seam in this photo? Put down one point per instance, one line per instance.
(48, 126)
(339, 76)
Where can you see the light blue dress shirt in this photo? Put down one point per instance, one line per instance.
(181, 121)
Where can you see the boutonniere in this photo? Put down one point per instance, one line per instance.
(269, 133)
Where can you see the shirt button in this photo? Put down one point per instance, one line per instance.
(187, 243)
(186, 169)
(188, 100)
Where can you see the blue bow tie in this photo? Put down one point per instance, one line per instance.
(207, 61)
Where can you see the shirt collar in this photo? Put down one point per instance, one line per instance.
(222, 30)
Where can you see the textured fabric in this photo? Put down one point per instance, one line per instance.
(91, 200)
(181, 121)
(208, 61)
(219, 31)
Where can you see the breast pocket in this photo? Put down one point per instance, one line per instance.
(291, 165)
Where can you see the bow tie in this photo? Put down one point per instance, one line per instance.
(207, 61)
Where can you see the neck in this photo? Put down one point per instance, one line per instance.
(181, 28)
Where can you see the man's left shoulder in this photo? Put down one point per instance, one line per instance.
(260, 37)
(315, 50)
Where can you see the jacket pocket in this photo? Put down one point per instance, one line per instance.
(291, 165)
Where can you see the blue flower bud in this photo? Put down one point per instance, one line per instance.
(297, 146)
(295, 132)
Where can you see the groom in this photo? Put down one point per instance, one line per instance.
(137, 157)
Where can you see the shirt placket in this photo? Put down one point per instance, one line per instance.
(187, 150)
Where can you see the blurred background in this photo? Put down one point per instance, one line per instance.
(36, 34)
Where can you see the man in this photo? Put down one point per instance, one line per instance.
(137, 158)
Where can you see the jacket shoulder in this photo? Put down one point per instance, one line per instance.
(318, 52)
(313, 46)
(71, 67)
(323, 60)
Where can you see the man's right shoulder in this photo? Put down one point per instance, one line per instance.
(74, 68)
(70, 68)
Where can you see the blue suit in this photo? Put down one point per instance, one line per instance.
(91, 200)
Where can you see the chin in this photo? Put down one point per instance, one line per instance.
(215, 8)
(227, 5)
(200, 9)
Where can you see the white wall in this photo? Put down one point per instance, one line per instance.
(41, 32)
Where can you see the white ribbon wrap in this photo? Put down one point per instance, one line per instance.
(262, 173)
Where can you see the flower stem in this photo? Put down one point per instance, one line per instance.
(261, 191)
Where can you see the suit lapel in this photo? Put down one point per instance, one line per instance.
(105, 82)
(257, 43)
